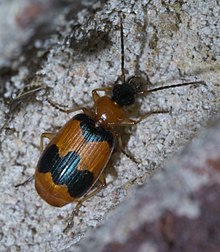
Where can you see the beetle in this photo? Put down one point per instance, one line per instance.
(70, 168)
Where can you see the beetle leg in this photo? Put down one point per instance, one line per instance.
(127, 154)
(80, 202)
(64, 109)
(102, 180)
(95, 95)
(70, 110)
(150, 113)
(25, 182)
(129, 122)
(43, 136)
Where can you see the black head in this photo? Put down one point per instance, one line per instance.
(124, 94)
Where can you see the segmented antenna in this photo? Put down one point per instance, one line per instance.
(174, 86)
(122, 48)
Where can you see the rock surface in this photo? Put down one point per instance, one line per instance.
(65, 49)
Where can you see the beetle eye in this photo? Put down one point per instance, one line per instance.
(123, 95)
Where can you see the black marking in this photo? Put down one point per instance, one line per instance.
(64, 171)
(93, 133)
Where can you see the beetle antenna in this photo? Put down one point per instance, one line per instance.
(122, 49)
(173, 86)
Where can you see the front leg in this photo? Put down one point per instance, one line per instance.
(129, 122)
(44, 135)
(95, 94)
(67, 110)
